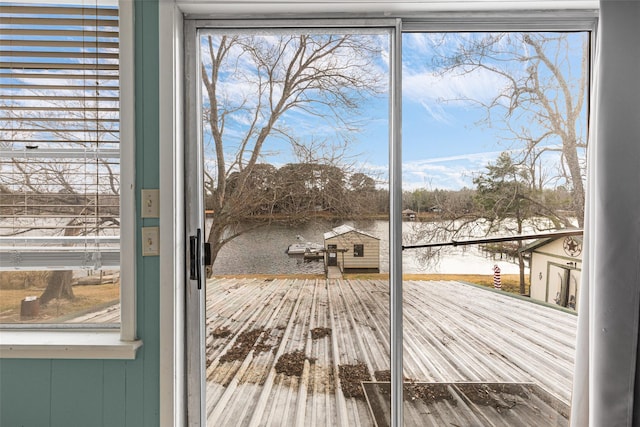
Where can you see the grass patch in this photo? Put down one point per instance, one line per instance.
(86, 297)
(510, 282)
(23, 279)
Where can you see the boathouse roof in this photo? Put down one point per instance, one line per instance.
(344, 229)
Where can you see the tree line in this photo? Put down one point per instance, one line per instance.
(443, 204)
(293, 191)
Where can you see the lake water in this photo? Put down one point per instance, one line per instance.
(262, 251)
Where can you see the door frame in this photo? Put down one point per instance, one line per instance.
(570, 273)
(332, 255)
(172, 395)
(195, 312)
(171, 17)
(195, 232)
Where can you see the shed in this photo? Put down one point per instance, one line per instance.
(555, 268)
(409, 214)
(353, 251)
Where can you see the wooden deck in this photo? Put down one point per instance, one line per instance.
(334, 273)
(454, 333)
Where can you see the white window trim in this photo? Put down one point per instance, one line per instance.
(259, 9)
(71, 344)
(172, 235)
(82, 342)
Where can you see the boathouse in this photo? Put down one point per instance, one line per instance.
(555, 267)
(408, 215)
(353, 251)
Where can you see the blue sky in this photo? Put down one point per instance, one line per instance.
(444, 146)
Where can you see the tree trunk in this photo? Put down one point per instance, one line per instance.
(215, 238)
(573, 163)
(523, 288)
(59, 282)
(58, 286)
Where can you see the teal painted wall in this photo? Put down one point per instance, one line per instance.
(87, 393)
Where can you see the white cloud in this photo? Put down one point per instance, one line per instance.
(483, 157)
(435, 93)
(447, 173)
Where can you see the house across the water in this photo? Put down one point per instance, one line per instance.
(351, 250)
(409, 215)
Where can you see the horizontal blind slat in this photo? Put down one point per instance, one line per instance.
(52, 10)
(57, 43)
(68, 109)
(44, 75)
(87, 87)
(59, 119)
(40, 32)
(61, 22)
(61, 98)
(59, 54)
(60, 139)
(56, 66)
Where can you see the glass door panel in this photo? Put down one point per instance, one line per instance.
(494, 147)
(295, 135)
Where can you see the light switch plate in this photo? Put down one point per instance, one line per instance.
(150, 203)
(150, 241)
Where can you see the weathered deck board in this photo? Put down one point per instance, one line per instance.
(110, 314)
(453, 333)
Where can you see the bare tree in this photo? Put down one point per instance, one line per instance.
(65, 194)
(252, 84)
(538, 110)
(362, 194)
(541, 106)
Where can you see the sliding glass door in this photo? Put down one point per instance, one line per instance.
(291, 138)
(341, 277)
(494, 144)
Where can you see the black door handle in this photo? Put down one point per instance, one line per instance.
(195, 258)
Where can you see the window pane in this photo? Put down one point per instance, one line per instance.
(494, 145)
(59, 164)
(296, 215)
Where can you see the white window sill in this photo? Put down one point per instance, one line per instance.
(67, 344)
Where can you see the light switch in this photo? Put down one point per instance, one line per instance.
(150, 203)
(150, 241)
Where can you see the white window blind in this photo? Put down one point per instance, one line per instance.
(59, 137)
